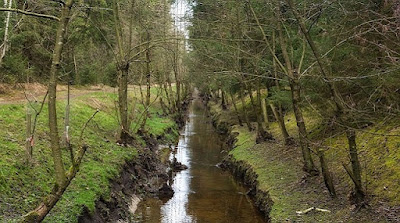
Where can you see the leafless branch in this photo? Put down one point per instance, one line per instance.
(30, 13)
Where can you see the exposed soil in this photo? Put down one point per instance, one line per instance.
(19, 93)
(144, 176)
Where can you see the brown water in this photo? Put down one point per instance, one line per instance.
(203, 192)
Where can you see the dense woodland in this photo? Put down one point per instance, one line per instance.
(263, 60)
(338, 59)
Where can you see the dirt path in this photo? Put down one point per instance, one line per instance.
(36, 92)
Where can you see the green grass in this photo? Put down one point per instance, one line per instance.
(274, 174)
(23, 187)
(279, 168)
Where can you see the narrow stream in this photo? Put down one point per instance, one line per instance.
(203, 192)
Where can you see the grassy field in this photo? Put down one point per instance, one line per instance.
(22, 186)
(279, 170)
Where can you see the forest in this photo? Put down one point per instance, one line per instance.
(304, 93)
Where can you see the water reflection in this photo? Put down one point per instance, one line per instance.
(175, 209)
(203, 193)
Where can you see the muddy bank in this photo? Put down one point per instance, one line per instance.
(242, 171)
(146, 175)
(245, 174)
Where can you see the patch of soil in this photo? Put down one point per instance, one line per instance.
(18, 93)
(177, 166)
(144, 176)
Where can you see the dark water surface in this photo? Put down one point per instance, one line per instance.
(203, 192)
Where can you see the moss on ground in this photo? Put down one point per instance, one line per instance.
(279, 169)
(22, 187)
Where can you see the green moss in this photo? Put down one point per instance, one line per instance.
(279, 168)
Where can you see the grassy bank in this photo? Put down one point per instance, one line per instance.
(279, 170)
(22, 187)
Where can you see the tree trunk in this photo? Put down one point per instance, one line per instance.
(262, 104)
(334, 93)
(223, 102)
(244, 109)
(6, 29)
(28, 145)
(51, 200)
(55, 66)
(355, 174)
(326, 174)
(170, 105)
(262, 135)
(62, 180)
(278, 114)
(236, 110)
(148, 86)
(309, 166)
(123, 103)
(265, 111)
(66, 126)
(163, 106)
(171, 94)
(177, 77)
(148, 73)
(123, 69)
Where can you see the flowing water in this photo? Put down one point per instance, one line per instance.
(203, 192)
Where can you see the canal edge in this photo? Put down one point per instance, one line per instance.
(242, 171)
(132, 184)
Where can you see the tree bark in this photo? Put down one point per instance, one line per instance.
(261, 103)
(309, 166)
(265, 112)
(334, 93)
(148, 85)
(278, 112)
(171, 94)
(170, 105)
(326, 174)
(55, 66)
(62, 179)
(359, 195)
(262, 135)
(123, 69)
(177, 78)
(236, 110)
(123, 102)
(6, 29)
(244, 109)
(28, 146)
(281, 123)
(223, 101)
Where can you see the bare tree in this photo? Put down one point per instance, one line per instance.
(4, 46)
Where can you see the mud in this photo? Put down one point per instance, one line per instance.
(143, 176)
